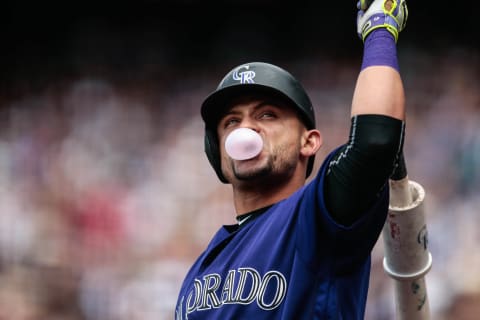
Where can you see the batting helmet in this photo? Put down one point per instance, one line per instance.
(254, 77)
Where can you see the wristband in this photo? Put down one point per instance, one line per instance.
(380, 50)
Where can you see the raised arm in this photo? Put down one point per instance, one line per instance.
(379, 88)
(361, 168)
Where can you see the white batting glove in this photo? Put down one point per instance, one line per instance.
(389, 14)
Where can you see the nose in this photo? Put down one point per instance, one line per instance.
(250, 123)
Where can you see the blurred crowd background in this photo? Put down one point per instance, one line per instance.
(106, 195)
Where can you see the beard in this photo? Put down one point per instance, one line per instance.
(279, 165)
(253, 173)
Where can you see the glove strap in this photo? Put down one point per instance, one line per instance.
(380, 50)
(381, 20)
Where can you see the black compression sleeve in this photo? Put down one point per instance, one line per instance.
(361, 168)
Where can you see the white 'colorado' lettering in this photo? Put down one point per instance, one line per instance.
(242, 286)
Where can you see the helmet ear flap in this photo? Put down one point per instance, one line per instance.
(213, 153)
(311, 162)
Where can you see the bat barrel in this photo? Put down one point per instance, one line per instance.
(407, 259)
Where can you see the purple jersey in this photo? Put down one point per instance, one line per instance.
(291, 262)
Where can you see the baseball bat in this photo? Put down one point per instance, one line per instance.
(407, 259)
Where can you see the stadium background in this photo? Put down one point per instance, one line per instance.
(106, 196)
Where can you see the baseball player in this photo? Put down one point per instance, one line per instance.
(300, 250)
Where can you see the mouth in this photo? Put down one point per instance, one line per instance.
(250, 159)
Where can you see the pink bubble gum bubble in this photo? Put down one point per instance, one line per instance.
(243, 144)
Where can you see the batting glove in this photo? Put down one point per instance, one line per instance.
(389, 14)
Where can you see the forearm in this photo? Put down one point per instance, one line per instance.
(379, 90)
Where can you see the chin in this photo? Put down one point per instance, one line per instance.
(252, 173)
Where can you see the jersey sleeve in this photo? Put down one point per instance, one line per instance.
(322, 237)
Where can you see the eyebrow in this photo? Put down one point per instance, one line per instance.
(259, 105)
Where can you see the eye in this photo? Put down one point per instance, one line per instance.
(267, 115)
(230, 121)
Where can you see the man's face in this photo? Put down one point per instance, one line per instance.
(280, 129)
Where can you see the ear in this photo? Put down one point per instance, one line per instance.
(311, 142)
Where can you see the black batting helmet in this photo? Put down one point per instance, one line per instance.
(254, 77)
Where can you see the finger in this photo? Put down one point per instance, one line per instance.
(364, 4)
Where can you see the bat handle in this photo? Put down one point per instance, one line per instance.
(400, 171)
(400, 190)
